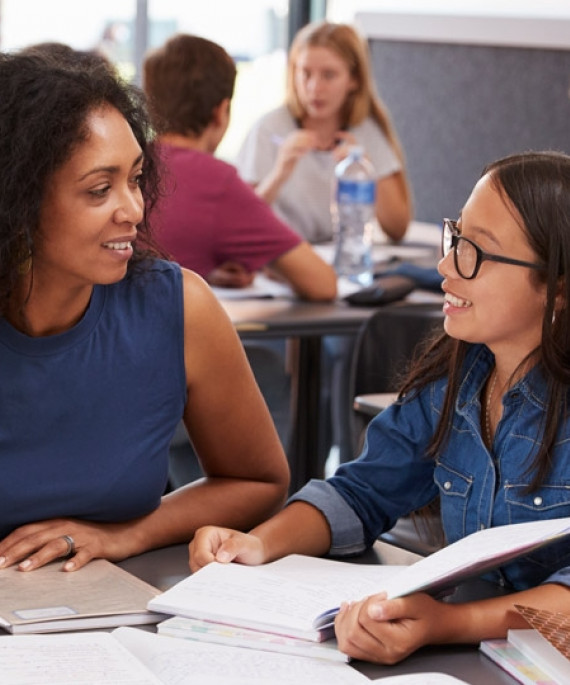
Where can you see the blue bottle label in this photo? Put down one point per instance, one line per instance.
(358, 192)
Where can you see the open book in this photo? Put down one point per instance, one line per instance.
(131, 656)
(99, 595)
(277, 599)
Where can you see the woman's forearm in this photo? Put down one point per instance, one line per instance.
(237, 503)
(487, 619)
(393, 209)
(300, 528)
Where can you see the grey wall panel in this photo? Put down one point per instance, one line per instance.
(458, 107)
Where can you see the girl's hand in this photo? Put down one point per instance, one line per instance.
(295, 146)
(345, 141)
(386, 631)
(211, 543)
(37, 544)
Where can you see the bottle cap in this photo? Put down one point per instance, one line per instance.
(356, 151)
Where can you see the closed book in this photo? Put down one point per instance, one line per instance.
(539, 650)
(515, 663)
(219, 633)
(99, 595)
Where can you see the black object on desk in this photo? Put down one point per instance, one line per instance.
(383, 290)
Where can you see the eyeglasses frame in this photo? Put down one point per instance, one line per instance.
(481, 255)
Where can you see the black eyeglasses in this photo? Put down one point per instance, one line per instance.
(468, 256)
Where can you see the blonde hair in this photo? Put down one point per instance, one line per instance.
(364, 101)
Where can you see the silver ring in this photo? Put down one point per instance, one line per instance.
(70, 545)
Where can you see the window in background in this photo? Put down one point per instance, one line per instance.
(107, 25)
(254, 33)
(345, 10)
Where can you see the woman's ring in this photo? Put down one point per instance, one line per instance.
(70, 545)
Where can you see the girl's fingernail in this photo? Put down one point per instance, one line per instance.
(375, 612)
(25, 564)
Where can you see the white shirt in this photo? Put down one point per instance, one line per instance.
(304, 199)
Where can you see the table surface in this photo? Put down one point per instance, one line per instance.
(165, 567)
(373, 403)
(288, 316)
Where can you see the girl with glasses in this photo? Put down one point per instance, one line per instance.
(481, 425)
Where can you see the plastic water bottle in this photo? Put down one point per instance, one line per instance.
(353, 212)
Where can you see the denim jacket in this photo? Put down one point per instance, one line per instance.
(477, 488)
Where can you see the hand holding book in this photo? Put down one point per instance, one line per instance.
(266, 598)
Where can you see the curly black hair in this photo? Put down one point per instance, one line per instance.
(44, 108)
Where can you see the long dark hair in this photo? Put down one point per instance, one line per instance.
(537, 185)
(46, 100)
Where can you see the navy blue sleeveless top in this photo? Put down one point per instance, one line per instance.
(86, 416)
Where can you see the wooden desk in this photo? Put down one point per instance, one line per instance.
(164, 567)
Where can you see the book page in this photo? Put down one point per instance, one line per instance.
(100, 588)
(475, 554)
(70, 659)
(262, 287)
(421, 679)
(268, 597)
(183, 662)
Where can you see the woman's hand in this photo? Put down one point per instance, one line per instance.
(295, 146)
(344, 141)
(386, 631)
(37, 544)
(224, 545)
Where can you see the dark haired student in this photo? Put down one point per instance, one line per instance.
(105, 347)
(481, 423)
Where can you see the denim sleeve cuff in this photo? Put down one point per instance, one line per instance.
(562, 576)
(347, 531)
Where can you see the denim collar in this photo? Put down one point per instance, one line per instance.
(478, 364)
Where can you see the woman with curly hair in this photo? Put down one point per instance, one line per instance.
(104, 345)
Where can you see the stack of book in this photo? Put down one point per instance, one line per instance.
(539, 655)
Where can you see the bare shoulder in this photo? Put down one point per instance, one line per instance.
(199, 300)
(204, 316)
(210, 338)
